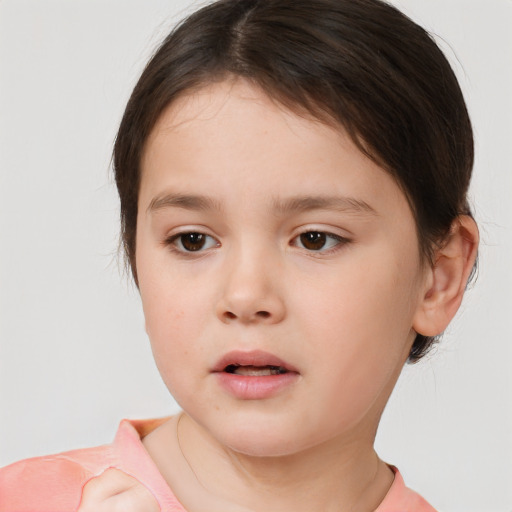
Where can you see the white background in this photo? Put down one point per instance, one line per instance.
(74, 358)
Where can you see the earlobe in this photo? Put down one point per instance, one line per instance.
(448, 277)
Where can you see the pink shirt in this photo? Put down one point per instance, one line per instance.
(54, 483)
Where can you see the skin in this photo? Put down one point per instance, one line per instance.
(344, 316)
(115, 491)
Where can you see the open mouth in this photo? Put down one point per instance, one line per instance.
(254, 363)
(255, 371)
(254, 374)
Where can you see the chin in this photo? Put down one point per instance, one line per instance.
(263, 439)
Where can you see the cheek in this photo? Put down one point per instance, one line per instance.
(168, 305)
(362, 301)
(170, 332)
(169, 299)
(358, 354)
(361, 322)
(171, 318)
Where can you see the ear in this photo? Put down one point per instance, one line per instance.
(446, 280)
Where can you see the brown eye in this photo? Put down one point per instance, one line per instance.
(313, 240)
(193, 241)
(320, 241)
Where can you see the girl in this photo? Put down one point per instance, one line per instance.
(293, 180)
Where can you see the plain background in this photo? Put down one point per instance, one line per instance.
(74, 358)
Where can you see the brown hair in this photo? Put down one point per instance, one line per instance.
(359, 63)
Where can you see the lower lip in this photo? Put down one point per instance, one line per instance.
(246, 387)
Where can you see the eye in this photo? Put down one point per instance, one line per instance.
(191, 242)
(318, 241)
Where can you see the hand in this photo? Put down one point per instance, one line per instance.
(115, 491)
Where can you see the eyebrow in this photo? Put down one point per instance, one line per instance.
(337, 203)
(281, 207)
(185, 201)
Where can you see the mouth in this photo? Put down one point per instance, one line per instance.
(255, 371)
(254, 375)
(255, 363)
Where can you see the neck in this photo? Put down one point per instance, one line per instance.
(339, 475)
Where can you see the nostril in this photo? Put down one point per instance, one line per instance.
(228, 316)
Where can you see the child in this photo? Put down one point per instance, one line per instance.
(293, 180)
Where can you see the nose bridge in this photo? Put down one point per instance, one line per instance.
(251, 289)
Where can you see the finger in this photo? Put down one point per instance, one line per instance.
(115, 491)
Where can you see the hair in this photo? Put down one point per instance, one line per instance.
(361, 64)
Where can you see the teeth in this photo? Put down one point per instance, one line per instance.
(256, 371)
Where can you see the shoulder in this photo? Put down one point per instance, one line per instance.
(50, 483)
(54, 483)
(402, 498)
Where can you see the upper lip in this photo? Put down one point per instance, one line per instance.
(251, 358)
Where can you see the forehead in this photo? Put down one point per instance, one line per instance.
(240, 110)
(230, 137)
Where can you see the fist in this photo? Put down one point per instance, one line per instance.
(115, 491)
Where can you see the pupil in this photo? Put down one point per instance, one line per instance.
(313, 240)
(193, 241)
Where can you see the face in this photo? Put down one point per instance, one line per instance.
(279, 272)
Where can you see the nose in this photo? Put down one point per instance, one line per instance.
(251, 290)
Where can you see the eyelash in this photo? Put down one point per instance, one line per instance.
(340, 242)
(172, 241)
